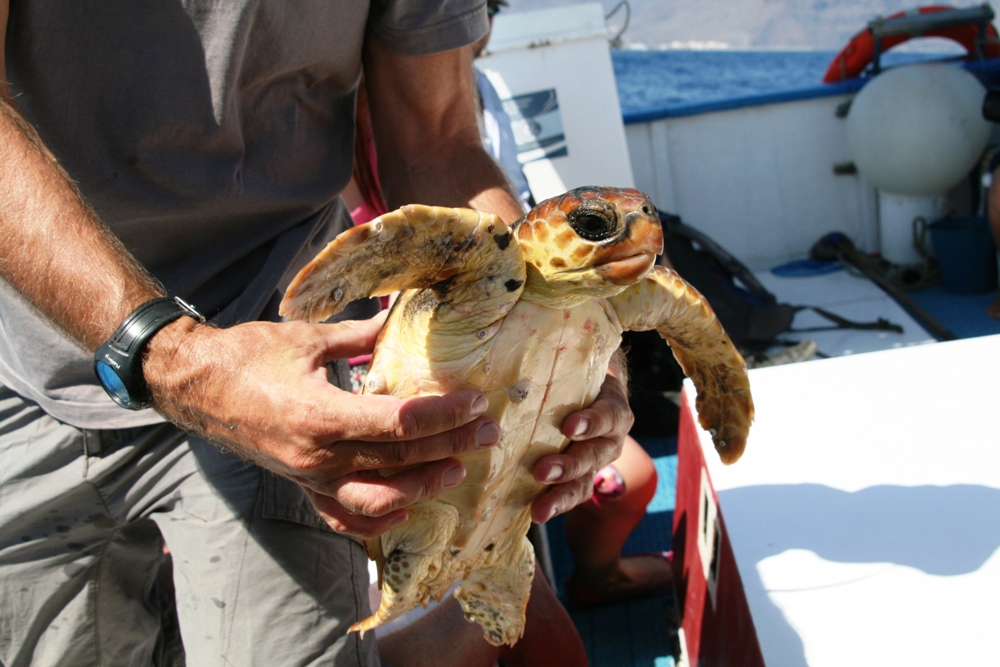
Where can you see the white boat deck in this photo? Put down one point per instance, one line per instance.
(863, 517)
(852, 297)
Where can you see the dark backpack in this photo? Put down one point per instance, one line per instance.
(751, 315)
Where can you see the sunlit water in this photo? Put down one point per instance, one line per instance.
(663, 79)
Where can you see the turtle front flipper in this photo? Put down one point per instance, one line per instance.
(496, 596)
(465, 255)
(680, 314)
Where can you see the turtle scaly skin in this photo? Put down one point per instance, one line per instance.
(530, 315)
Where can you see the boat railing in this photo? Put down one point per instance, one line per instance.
(915, 24)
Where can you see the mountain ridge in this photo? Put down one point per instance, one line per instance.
(741, 24)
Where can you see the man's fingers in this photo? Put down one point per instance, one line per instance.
(356, 525)
(351, 338)
(609, 415)
(366, 504)
(478, 434)
(561, 498)
(378, 418)
(580, 459)
(428, 415)
(597, 434)
(370, 494)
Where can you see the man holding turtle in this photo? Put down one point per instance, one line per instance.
(156, 155)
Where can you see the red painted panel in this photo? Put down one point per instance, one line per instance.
(715, 616)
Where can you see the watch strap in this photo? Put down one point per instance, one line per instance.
(121, 356)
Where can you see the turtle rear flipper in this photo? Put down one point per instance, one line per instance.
(496, 596)
(667, 303)
(465, 254)
(412, 562)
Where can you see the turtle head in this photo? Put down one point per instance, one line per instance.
(589, 242)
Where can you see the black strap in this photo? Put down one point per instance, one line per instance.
(839, 322)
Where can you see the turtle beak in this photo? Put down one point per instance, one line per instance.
(645, 231)
(628, 270)
(629, 260)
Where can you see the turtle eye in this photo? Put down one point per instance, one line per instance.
(592, 226)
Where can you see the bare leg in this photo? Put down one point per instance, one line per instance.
(596, 533)
(550, 638)
(443, 638)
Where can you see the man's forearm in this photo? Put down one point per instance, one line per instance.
(424, 117)
(479, 183)
(55, 251)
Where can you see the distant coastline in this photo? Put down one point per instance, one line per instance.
(939, 48)
(742, 25)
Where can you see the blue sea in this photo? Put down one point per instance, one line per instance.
(650, 80)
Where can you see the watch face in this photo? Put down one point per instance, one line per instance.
(113, 384)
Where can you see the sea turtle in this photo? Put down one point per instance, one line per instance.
(530, 314)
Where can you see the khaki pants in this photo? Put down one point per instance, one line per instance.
(84, 516)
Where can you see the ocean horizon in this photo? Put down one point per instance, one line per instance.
(651, 79)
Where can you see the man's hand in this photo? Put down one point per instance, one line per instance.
(262, 389)
(597, 434)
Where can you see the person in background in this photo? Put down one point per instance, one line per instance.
(495, 124)
(195, 151)
(596, 533)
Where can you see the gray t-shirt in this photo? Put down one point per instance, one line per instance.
(212, 137)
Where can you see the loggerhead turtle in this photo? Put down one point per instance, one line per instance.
(529, 314)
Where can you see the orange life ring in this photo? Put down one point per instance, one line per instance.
(853, 59)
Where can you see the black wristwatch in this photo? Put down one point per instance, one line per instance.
(118, 363)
